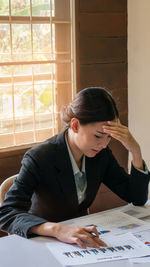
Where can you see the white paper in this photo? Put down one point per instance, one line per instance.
(138, 212)
(119, 247)
(144, 236)
(114, 222)
(140, 260)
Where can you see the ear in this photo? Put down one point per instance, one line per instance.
(74, 125)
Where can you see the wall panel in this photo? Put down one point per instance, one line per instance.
(103, 24)
(101, 56)
(103, 6)
(105, 49)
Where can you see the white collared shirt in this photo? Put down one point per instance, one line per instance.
(78, 175)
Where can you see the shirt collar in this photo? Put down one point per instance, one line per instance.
(73, 162)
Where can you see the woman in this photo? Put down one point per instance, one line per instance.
(59, 179)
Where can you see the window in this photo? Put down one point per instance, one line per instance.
(36, 68)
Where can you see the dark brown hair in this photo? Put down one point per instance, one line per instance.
(92, 104)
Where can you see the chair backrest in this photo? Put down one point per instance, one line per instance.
(5, 186)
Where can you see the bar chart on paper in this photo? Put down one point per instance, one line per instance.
(118, 247)
(109, 251)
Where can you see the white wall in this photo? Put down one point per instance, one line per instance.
(139, 73)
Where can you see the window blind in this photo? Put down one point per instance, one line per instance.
(36, 68)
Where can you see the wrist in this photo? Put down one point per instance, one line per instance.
(137, 158)
(45, 229)
(135, 150)
(51, 229)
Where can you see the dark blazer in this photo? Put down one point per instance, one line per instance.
(45, 188)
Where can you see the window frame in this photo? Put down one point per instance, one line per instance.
(35, 20)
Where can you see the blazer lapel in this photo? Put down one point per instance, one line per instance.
(95, 168)
(65, 172)
(93, 179)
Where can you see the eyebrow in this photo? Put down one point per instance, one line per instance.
(103, 133)
(100, 132)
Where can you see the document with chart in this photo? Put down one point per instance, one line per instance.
(114, 222)
(124, 246)
(142, 213)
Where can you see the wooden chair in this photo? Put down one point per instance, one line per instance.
(5, 186)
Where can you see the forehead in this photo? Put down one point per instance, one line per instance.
(102, 123)
(94, 126)
(98, 125)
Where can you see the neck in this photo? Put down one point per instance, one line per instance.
(77, 154)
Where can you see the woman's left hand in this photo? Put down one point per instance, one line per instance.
(122, 134)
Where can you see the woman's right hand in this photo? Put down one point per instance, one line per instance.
(78, 235)
(70, 234)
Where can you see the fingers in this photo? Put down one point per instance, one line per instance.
(79, 235)
(92, 240)
(100, 242)
(89, 239)
(91, 236)
(117, 122)
(121, 133)
(79, 242)
(117, 131)
(92, 229)
(115, 126)
(123, 136)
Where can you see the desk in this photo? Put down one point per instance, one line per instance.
(77, 221)
(26, 255)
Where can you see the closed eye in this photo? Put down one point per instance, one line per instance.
(97, 136)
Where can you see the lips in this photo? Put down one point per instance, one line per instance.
(96, 151)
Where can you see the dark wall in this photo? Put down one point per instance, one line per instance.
(101, 55)
(10, 163)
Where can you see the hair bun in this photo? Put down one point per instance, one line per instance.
(66, 115)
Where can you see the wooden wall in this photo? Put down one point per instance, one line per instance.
(101, 52)
(10, 163)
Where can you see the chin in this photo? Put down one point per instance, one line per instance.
(90, 155)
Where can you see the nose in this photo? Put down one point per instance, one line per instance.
(104, 143)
